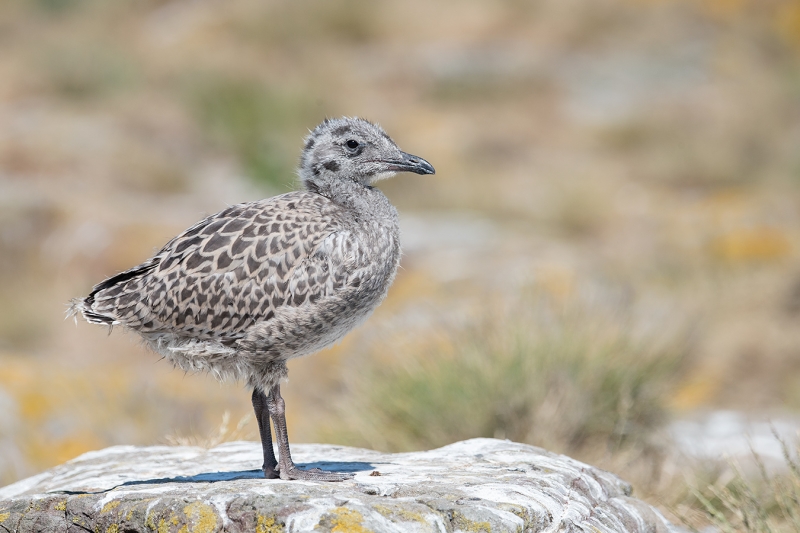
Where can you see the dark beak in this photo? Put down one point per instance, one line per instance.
(412, 163)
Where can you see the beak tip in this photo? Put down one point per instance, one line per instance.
(415, 164)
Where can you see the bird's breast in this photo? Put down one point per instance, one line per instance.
(368, 256)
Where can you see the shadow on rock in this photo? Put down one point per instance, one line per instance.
(214, 477)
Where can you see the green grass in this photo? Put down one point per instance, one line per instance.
(567, 380)
(251, 120)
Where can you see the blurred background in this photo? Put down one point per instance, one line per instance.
(606, 264)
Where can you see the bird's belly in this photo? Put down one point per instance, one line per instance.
(332, 319)
(308, 328)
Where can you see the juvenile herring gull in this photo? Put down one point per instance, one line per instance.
(244, 290)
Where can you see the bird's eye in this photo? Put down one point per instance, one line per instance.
(352, 144)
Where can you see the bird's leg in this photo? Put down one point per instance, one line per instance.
(287, 470)
(270, 466)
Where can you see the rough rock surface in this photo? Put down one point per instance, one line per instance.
(476, 485)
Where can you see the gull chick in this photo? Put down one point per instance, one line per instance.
(243, 291)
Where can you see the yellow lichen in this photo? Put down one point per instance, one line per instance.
(113, 528)
(516, 509)
(347, 521)
(465, 524)
(267, 524)
(399, 512)
(110, 506)
(61, 506)
(4, 517)
(202, 516)
(163, 524)
(382, 509)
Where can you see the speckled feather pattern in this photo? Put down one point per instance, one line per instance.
(248, 288)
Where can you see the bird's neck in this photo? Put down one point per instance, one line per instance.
(351, 195)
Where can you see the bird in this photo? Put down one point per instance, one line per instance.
(244, 290)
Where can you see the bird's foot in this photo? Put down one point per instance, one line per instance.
(313, 474)
(271, 472)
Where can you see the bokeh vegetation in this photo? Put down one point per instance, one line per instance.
(573, 379)
(741, 502)
(611, 242)
(245, 117)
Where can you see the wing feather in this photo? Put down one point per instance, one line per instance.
(230, 271)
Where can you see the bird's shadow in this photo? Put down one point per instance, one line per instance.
(215, 477)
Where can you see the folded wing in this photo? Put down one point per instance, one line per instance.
(230, 271)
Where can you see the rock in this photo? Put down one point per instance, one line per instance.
(476, 485)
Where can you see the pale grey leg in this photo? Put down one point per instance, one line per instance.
(287, 470)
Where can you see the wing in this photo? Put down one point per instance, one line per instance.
(231, 270)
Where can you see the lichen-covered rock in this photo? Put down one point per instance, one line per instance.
(476, 485)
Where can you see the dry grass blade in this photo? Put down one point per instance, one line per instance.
(767, 503)
(223, 433)
(788, 490)
(717, 516)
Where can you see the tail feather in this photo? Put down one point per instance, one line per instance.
(85, 306)
(80, 305)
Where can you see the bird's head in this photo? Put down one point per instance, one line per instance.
(354, 149)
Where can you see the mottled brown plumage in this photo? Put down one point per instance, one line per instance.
(246, 289)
